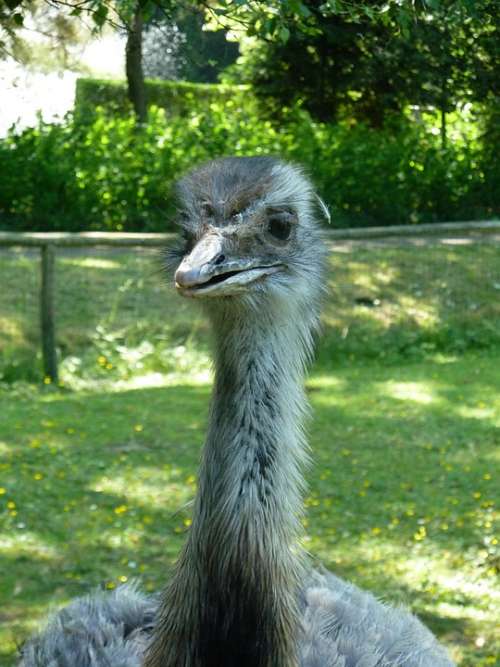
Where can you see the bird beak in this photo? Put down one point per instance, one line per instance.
(209, 271)
(200, 265)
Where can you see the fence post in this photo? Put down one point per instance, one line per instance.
(47, 319)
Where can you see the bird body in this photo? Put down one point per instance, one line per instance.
(341, 626)
(242, 593)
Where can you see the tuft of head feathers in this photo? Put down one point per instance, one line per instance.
(235, 200)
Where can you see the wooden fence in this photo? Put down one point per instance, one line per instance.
(49, 241)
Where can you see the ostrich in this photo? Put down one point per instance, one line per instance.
(242, 593)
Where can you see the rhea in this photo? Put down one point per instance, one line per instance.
(242, 593)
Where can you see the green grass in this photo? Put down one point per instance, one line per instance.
(96, 476)
(115, 306)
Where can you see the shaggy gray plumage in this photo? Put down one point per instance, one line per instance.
(342, 627)
(102, 629)
(254, 257)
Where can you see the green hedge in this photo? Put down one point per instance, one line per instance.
(175, 97)
(109, 174)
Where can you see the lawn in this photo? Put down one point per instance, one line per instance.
(384, 303)
(96, 475)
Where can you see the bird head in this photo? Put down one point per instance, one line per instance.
(248, 230)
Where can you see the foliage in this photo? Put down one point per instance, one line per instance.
(268, 17)
(175, 97)
(53, 19)
(399, 174)
(106, 173)
(272, 20)
(57, 43)
(366, 58)
(369, 69)
(99, 11)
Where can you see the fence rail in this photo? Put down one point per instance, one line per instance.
(49, 241)
(152, 240)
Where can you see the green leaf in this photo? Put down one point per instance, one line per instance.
(13, 4)
(299, 8)
(100, 15)
(284, 34)
(18, 19)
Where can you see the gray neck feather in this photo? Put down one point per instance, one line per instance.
(233, 598)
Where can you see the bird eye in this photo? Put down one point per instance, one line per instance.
(208, 210)
(280, 227)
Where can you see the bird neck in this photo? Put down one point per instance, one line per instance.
(233, 599)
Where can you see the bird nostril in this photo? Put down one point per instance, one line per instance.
(220, 259)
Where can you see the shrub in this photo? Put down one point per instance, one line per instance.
(175, 97)
(393, 176)
(108, 173)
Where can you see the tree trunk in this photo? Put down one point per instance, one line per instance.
(47, 317)
(133, 66)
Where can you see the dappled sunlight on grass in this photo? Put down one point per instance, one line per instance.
(96, 476)
(428, 568)
(494, 455)
(419, 392)
(90, 262)
(381, 275)
(401, 495)
(26, 542)
(165, 488)
(24, 615)
(326, 400)
(199, 377)
(440, 358)
(146, 381)
(394, 300)
(424, 314)
(384, 302)
(480, 412)
(318, 381)
(461, 604)
(11, 329)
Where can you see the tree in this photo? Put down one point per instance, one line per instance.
(204, 53)
(362, 57)
(133, 61)
(371, 64)
(127, 15)
(59, 31)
